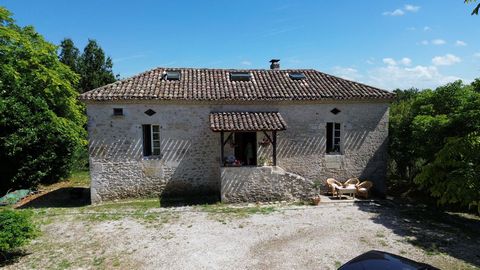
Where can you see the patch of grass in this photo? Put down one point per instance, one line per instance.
(383, 243)
(222, 213)
(79, 178)
(144, 204)
(338, 264)
(380, 235)
(64, 264)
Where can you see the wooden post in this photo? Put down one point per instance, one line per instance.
(221, 148)
(274, 145)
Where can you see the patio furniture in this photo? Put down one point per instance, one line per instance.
(332, 184)
(363, 189)
(351, 190)
(351, 182)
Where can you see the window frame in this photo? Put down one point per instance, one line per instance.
(335, 139)
(154, 143)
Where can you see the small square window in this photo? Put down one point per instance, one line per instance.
(118, 111)
(335, 111)
(150, 112)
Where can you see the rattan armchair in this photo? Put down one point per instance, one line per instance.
(332, 184)
(363, 189)
(351, 182)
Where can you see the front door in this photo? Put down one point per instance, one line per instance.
(246, 148)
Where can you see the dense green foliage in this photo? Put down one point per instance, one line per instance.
(41, 120)
(16, 229)
(94, 68)
(435, 141)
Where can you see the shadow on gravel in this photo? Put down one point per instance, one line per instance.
(62, 197)
(429, 228)
(11, 257)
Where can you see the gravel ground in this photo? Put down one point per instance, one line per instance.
(281, 237)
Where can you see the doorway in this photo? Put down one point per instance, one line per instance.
(246, 148)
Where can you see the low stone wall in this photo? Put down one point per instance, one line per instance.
(256, 184)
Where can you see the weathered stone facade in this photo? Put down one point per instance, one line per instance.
(190, 151)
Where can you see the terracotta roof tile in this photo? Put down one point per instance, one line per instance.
(247, 121)
(215, 85)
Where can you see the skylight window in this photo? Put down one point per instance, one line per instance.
(172, 75)
(240, 76)
(296, 76)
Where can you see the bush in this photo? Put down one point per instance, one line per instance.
(16, 229)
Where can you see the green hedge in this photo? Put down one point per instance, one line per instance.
(16, 229)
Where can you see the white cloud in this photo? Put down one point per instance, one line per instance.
(392, 62)
(406, 61)
(460, 43)
(476, 55)
(424, 42)
(427, 28)
(389, 61)
(411, 28)
(412, 8)
(370, 61)
(246, 63)
(348, 73)
(446, 60)
(438, 42)
(392, 77)
(396, 12)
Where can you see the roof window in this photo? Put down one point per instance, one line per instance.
(240, 76)
(296, 76)
(172, 75)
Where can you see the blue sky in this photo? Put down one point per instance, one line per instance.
(387, 44)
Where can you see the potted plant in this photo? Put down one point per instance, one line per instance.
(316, 187)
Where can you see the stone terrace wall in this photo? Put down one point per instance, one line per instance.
(257, 184)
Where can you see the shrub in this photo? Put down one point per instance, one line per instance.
(16, 229)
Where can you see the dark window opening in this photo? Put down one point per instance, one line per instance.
(240, 76)
(246, 148)
(335, 111)
(150, 112)
(333, 138)
(173, 75)
(296, 76)
(151, 140)
(118, 111)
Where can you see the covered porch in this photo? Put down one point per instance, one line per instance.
(242, 134)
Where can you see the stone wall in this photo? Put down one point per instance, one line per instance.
(269, 183)
(190, 151)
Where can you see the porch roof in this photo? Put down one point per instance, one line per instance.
(247, 121)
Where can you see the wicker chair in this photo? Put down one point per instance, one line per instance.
(332, 183)
(363, 189)
(351, 182)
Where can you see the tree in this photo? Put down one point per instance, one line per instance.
(69, 54)
(41, 120)
(476, 9)
(94, 68)
(435, 140)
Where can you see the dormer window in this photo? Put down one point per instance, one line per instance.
(296, 76)
(240, 76)
(172, 75)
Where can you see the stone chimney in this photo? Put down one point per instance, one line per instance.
(275, 64)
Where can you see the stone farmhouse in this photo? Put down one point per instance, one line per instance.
(240, 135)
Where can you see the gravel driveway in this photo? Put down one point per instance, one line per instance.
(281, 237)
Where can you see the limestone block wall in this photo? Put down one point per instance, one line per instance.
(190, 151)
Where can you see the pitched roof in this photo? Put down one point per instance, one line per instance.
(215, 85)
(247, 121)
